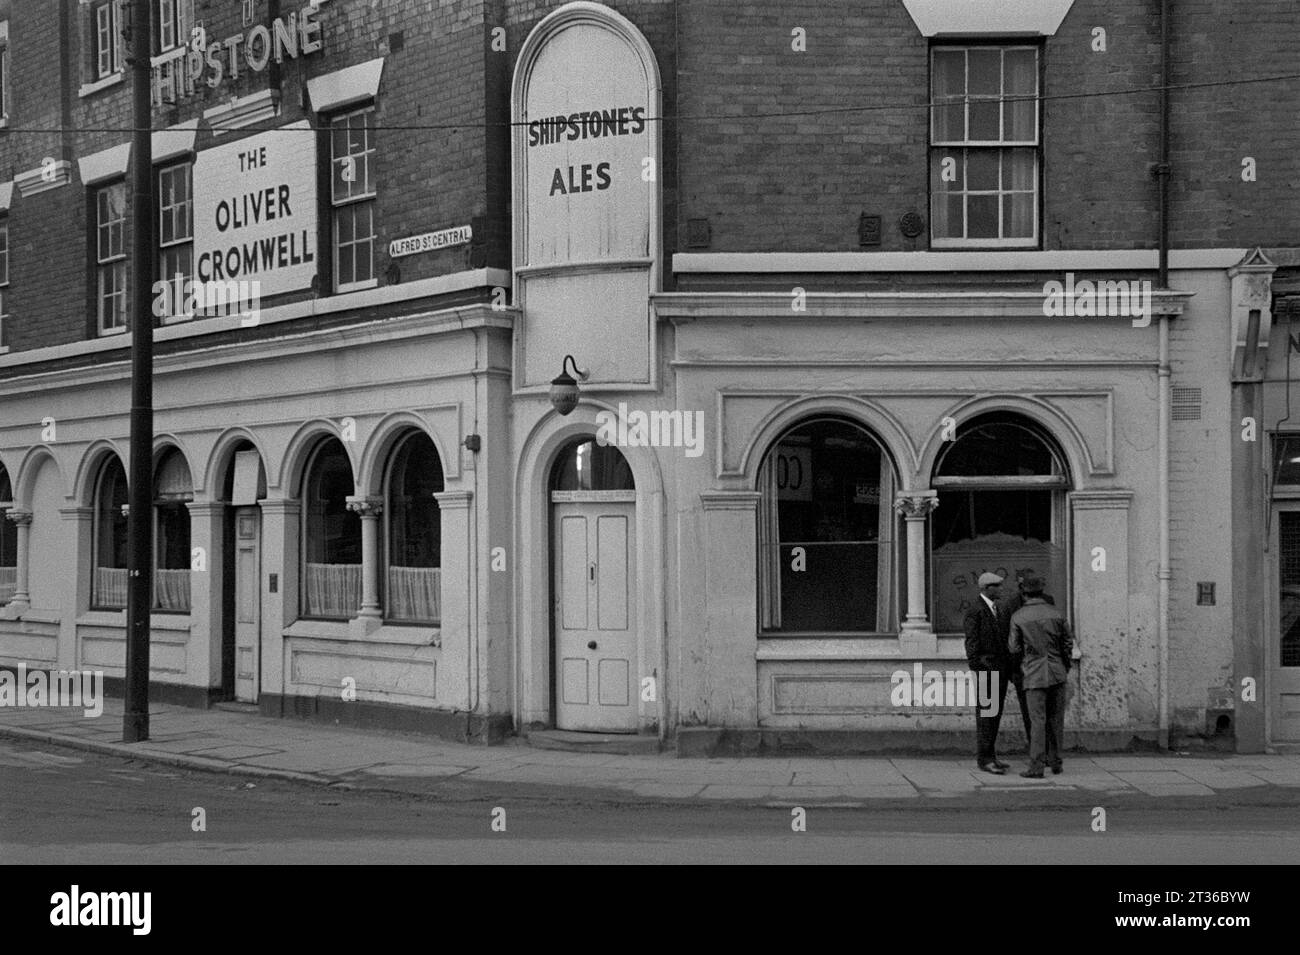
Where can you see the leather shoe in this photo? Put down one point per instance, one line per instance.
(1001, 765)
(993, 768)
(1032, 774)
(1056, 770)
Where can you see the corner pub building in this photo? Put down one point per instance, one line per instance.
(848, 345)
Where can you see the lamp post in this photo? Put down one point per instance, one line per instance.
(564, 387)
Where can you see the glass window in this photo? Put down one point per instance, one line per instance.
(8, 543)
(826, 532)
(1288, 560)
(108, 588)
(331, 585)
(413, 580)
(171, 549)
(4, 286)
(984, 146)
(110, 254)
(110, 43)
(1286, 459)
(4, 69)
(586, 465)
(175, 236)
(352, 194)
(1001, 487)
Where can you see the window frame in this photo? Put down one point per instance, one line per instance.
(114, 264)
(386, 538)
(1002, 148)
(158, 505)
(351, 203)
(97, 528)
(304, 548)
(889, 599)
(166, 247)
(108, 45)
(4, 74)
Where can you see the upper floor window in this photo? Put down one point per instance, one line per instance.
(110, 257)
(110, 21)
(352, 195)
(173, 24)
(175, 235)
(4, 71)
(4, 285)
(984, 146)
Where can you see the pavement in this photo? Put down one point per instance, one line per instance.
(251, 745)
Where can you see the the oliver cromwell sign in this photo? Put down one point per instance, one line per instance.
(585, 105)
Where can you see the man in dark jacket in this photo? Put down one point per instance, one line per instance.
(1009, 608)
(1042, 635)
(990, 661)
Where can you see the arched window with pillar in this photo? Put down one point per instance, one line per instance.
(108, 586)
(827, 532)
(8, 541)
(412, 582)
(173, 488)
(1001, 486)
(331, 566)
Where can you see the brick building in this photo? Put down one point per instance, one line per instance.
(883, 282)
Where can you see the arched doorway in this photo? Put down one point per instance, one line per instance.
(595, 643)
(1001, 485)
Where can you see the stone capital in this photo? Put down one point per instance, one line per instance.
(18, 515)
(366, 506)
(916, 505)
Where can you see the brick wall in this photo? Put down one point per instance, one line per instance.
(799, 182)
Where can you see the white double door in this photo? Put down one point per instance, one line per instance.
(596, 645)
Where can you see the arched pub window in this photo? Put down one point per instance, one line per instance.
(413, 583)
(108, 586)
(826, 532)
(172, 488)
(1001, 487)
(586, 465)
(331, 579)
(8, 542)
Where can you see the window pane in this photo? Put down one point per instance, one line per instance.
(982, 169)
(984, 120)
(1020, 72)
(947, 171)
(982, 217)
(985, 72)
(332, 545)
(109, 583)
(1286, 459)
(589, 466)
(827, 489)
(1018, 215)
(948, 216)
(998, 449)
(415, 532)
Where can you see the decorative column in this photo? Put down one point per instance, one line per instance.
(371, 614)
(203, 656)
(22, 599)
(463, 662)
(918, 637)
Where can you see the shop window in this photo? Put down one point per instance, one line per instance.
(108, 587)
(826, 532)
(8, 542)
(352, 195)
(175, 236)
(1288, 561)
(331, 578)
(413, 576)
(984, 146)
(4, 285)
(110, 257)
(109, 40)
(586, 465)
(1001, 487)
(171, 546)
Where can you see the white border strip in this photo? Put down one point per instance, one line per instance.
(1121, 260)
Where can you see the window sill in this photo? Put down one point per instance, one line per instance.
(165, 623)
(404, 634)
(356, 286)
(110, 332)
(982, 245)
(885, 646)
(89, 89)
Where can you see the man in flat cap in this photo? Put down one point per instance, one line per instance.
(1041, 633)
(989, 657)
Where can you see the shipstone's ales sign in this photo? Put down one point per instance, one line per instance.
(255, 210)
(585, 107)
(429, 241)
